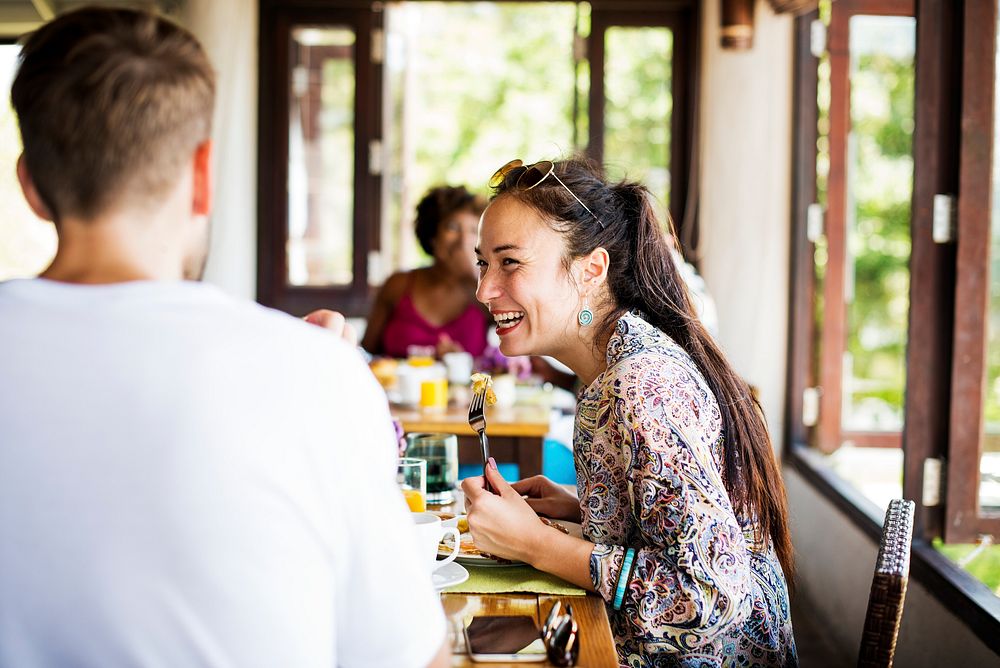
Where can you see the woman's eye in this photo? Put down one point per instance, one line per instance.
(510, 261)
(481, 264)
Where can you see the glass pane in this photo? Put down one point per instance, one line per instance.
(321, 156)
(27, 244)
(880, 182)
(637, 108)
(469, 86)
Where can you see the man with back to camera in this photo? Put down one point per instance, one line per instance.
(185, 478)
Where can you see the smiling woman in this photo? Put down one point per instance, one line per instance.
(681, 500)
(27, 244)
(530, 295)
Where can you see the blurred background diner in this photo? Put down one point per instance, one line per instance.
(831, 170)
(435, 306)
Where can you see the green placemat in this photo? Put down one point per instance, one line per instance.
(510, 579)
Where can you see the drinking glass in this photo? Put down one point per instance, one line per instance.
(411, 476)
(440, 451)
(434, 394)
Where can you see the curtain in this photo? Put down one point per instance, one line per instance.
(228, 31)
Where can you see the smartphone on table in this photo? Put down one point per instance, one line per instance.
(500, 639)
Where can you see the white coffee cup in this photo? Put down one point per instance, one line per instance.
(459, 366)
(505, 389)
(408, 380)
(429, 535)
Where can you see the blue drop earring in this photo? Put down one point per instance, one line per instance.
(586, 315)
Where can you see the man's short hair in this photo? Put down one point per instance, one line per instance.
(111, 104)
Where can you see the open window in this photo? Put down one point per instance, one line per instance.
(365, 106)
(895, 330)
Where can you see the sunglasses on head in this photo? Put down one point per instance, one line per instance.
(531, 176)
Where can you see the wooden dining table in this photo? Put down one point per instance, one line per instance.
(516, 433)
(597, 645)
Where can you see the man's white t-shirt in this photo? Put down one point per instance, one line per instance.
(191, 480)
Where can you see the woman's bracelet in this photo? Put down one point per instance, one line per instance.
(623, 577)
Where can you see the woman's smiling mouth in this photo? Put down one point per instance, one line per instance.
(507, 320)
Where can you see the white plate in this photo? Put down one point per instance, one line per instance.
(449, 575)
(469, 556)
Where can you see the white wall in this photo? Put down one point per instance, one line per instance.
(228, 31)
(745, 197)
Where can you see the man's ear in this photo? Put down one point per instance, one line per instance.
(594, 268)
(201, 202)
(31, 192)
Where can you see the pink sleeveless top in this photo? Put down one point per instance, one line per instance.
(406, 327)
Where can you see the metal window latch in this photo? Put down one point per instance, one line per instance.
(375, 157)
(814, 222)
(378, 46)
(810, 406)
(579, 47)
(817, 38)
(375, 268)
(944, 229)
(933, 482)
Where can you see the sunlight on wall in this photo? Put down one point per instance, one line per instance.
(27, 244)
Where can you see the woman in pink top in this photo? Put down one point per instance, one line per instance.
(436, 305)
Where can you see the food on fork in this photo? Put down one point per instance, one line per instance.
(482, 382)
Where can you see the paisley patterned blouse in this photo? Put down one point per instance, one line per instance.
(648, 447)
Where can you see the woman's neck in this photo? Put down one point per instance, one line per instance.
(588, 368)
(586, 355)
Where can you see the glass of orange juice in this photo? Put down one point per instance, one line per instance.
(411, 476)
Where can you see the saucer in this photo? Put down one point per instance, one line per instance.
(449, 575)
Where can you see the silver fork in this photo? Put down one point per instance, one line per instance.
(477, 420)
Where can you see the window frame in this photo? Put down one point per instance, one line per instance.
(683, 23)
(830, 433)
(272, 156)
(963, 519)
(276, 19)
(941, 420)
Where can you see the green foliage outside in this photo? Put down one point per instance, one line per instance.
(985, 567)
(638, 107)
(880, 172)
(471, 85)
(882, 96)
